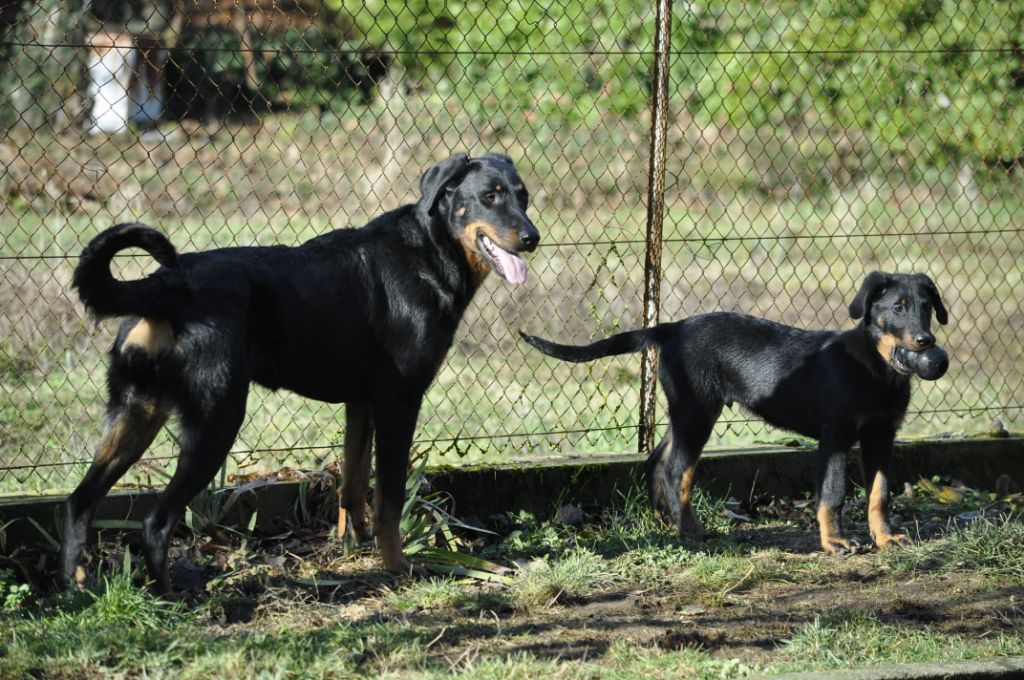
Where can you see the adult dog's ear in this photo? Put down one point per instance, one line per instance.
(933, 296)
(434, 181)
(869, 290)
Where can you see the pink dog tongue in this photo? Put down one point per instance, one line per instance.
(513, 267)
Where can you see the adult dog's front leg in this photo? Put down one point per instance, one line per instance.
(355, 481)
(394, 424)
(831, 494)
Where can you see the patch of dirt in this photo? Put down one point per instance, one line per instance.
(748, 616)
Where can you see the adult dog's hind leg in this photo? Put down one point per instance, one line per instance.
(355, 481)
(131, 426)
(394, 418)
(876, 447)
(206, 441)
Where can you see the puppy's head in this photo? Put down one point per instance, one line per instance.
(482, 202)
(897, 312)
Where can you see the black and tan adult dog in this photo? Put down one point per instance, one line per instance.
(360, 316)
(837, 387)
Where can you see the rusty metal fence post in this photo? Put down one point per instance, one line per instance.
(655, 217)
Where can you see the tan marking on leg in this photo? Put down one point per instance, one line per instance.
(124, 440)
(110, 442)
(342, 518)
(355, 481)
(687, 517)
(152, 337)
(80, 576)
(131, 430)
(832, 540)
(878, 523)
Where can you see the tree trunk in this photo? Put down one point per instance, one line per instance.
(41, 73)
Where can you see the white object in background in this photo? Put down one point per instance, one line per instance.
(111, 63)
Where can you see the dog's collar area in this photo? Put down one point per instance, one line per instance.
(509, 266)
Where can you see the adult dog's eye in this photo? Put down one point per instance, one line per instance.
(490, 198)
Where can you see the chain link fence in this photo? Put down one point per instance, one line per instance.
(805, 143)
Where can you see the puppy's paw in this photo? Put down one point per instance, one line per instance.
(884, 541)
(839, 546)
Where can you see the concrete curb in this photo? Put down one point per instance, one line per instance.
(1001, 668)
(586, 481)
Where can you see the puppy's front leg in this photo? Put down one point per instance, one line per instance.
(876, 447)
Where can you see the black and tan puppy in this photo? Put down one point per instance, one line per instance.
(837, 387)
(360, 316)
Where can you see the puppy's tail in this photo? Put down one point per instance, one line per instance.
(156, 296)
(621, 343)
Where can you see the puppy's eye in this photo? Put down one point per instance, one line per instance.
(899, 308)
(490, 198)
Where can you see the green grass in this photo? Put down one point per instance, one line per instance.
(570, 576)
(992, 548)
(859, 640)
(618, 596)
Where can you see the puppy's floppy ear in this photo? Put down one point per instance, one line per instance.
(933, 296)
(434, 181)
(872, 285)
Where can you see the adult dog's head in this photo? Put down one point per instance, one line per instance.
(897, 311)
(482, 202)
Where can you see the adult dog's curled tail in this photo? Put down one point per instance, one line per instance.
(157, 296)
(621, 343)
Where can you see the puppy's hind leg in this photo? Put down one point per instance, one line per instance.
(691, 427)
(832, 455)
(664, 502)
(133, 421)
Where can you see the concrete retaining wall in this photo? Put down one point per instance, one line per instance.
(539, 487)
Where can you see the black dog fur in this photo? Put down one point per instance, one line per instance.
(837, 387)
(360, 316)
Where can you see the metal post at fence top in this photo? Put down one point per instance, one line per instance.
(655, 217)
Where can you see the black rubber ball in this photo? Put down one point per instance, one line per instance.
(932, 363)
(929, 364)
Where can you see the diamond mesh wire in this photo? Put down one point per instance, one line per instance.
(809, 142)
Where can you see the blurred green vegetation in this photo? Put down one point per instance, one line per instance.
(898, 85)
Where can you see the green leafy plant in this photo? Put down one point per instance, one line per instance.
(14, 595)
(429, 539)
